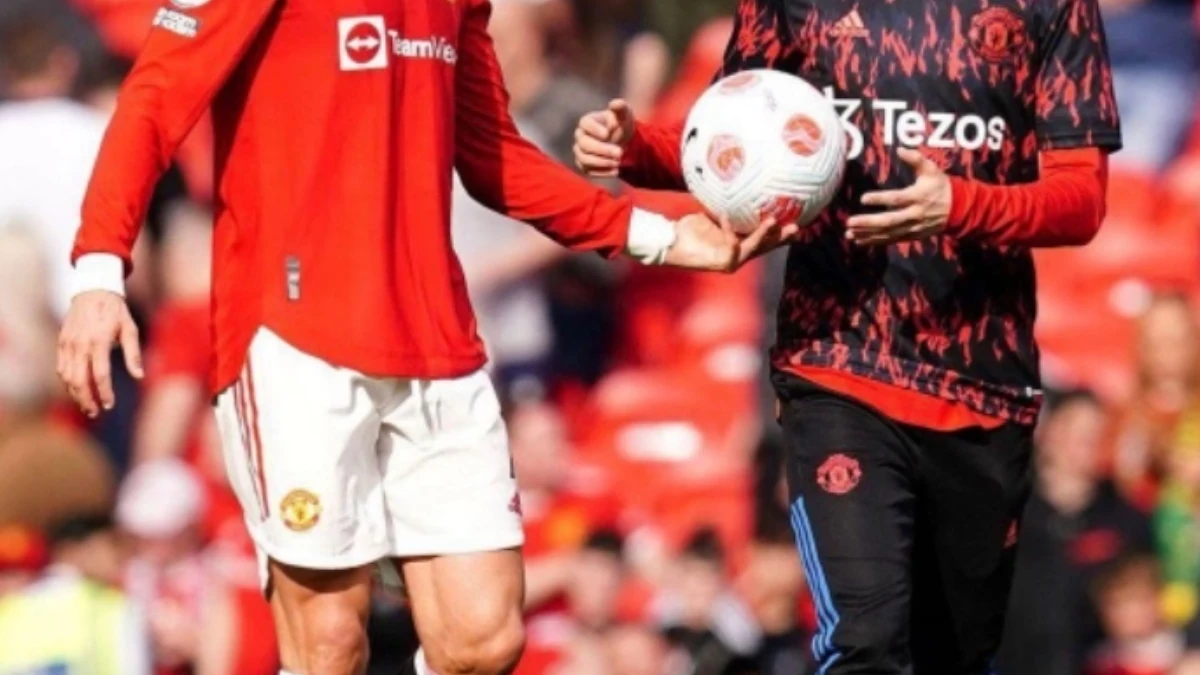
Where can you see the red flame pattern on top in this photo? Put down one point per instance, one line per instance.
(946, 317)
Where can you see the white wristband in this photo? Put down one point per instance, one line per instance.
(98, 272)
(650, 237)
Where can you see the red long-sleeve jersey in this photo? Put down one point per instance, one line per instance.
(338, 124)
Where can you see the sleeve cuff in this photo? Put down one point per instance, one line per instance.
(650, 237)
(960, 205)
(99, 272)
(632, 156)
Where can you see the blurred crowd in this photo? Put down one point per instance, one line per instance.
(641, 424)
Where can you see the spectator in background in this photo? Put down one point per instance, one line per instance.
(26, 326)
(774, 587)
(1190, 665)
(1155, 51)
(48, 472)
(1177, 522)
(1137, 639)
(592, 592)
(1075, 525)
(560, 509)
(88, 545)
(705, 619)
(49, 141)
(199, 623)
(636, 648)
(64, 619)
(175, 401)
(1168, 372)
(501, 258)
(549, 99)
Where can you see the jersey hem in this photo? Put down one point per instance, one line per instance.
(987, 399)
(372, 363)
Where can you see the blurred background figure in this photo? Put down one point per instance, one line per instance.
(1167, 381)
(705, 619)
(638, 649)
(1076, 525)
(204, 615)
(1177, 522)
(1138, 640)
(50, 141)
(776, 593)
(59, 609)
(1154, 51)
(592, 594)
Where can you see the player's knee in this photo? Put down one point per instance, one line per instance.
(336, 641)
(486, 648)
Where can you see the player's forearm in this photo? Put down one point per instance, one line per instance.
(506, 173)
(132, 158)
(186, 59)
(1064, 207)
(652, 158)
(579, 216)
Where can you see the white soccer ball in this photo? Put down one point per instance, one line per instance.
(763, 143)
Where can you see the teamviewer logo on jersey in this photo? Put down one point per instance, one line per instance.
(361, 43)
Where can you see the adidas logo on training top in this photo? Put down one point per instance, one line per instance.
(849, 26)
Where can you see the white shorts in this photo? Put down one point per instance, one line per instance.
(335, 469)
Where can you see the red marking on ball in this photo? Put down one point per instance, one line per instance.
(726, 156)
(783, 209)
(803, 135)
(738, 82)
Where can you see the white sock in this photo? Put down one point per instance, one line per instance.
(419, 661)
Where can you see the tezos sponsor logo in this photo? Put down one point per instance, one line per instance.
(912, 128)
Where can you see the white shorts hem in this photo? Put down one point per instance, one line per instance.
(438, 546)
(346, 561)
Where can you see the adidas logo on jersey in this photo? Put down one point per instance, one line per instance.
(849, 26)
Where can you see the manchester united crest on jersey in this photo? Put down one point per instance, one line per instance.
(997, 34)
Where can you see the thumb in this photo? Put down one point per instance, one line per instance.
(620, 108)
(131, 348)
(622, 113)
(914, 158)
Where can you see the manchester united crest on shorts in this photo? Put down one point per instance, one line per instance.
(300, 510)
(839, 474)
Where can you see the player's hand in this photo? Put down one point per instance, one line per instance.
(601, 137)
(95, 323)
(916, 212)
(704, 244)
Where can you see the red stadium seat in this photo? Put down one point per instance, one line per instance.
(658, 432)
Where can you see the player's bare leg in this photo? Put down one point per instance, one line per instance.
(467, 610)
(321, 617)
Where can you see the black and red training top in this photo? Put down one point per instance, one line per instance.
(1014, 100)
